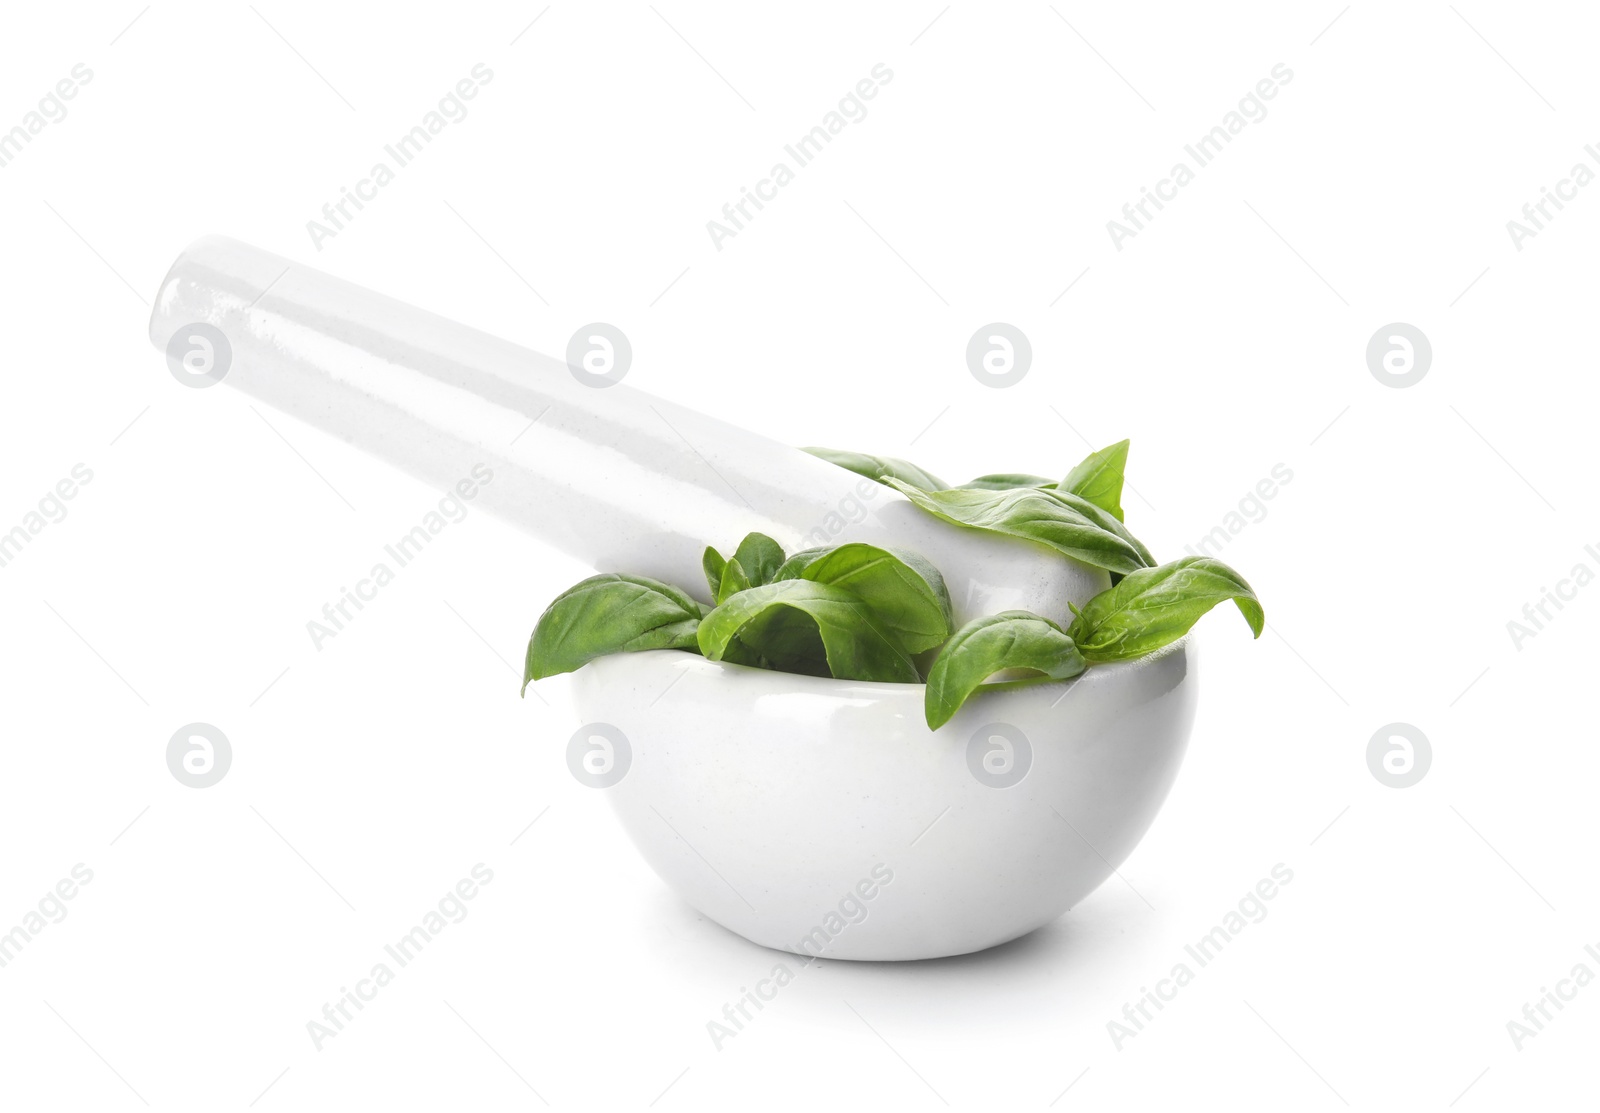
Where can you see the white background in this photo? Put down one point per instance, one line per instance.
(1227, 337)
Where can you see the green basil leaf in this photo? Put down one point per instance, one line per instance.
(733, 581)
(780, 638)
(985, 646)
(760, 556)
(1105, 520)
(854, 645)
(712, 563)
(905, 593)
(1153, 607)
(1066, 523)
(609, 614)
(880, 468)
(740, 654)
(791, 568)
(1005, 480)
(1099, 478)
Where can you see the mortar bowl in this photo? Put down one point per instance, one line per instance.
(822, 817)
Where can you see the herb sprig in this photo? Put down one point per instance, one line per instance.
(864, 612)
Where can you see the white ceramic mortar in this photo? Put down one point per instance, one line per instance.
(763, 799)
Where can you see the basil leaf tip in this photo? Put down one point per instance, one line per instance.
(880, 468)
(760, 556)
(1154, 607)
(1098, 478)
(609, 613)
(985, 646)
(1065, 522)
(712, 563)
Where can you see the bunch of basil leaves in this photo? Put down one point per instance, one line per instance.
(863, 612)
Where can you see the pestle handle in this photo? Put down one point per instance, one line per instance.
(620, 479)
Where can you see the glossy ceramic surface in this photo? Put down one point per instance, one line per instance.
(615, 477)
(775, 803)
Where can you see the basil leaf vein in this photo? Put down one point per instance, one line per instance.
(1065, 522)
(880, 468)
(1153, 607)
(904, 592)
(1005, 480)
(609, 613)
